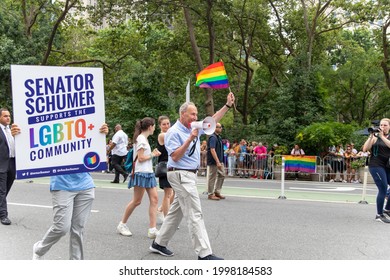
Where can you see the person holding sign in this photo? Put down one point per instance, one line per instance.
(7, 163)
(72, 197)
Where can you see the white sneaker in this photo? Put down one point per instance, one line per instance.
(344, 181)
(331, 181)
(152, 233)
(160, 217)
(36, 257)
(123, 229)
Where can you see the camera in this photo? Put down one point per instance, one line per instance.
(373, 130)
(375, 127)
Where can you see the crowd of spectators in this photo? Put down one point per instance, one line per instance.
(244, 159)
(251, 159)
(344, 163)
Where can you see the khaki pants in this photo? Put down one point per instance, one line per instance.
(215, 178)
(186, 204)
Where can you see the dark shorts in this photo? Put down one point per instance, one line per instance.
(163, 182)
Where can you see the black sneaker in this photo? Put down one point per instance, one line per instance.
(382, 218)
(387, 212)
(210, 258)
(155, 248)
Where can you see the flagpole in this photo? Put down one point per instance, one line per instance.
(188, 91)
(230, 90)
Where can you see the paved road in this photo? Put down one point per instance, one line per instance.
(317, 221)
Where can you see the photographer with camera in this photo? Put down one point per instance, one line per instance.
(379, 144)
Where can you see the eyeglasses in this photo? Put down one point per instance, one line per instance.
(218, 127)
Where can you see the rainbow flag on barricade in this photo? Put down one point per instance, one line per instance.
(300, 163)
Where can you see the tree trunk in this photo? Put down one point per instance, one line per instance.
(30, 16)
(311, 30)
(209, 102)
(67, 6)
(194, 45)
(385, 62)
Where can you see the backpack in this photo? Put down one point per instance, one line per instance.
(129, 161)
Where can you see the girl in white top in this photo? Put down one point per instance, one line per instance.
(297, 151)
(143, 179)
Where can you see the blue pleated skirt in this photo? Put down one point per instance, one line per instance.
(143, 180)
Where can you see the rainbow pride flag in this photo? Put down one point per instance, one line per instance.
(300, 163)
(213, 76)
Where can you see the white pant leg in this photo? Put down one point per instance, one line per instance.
(81, 210)
(231, 161)
(62, 215)
(171, 222)
(184, 185)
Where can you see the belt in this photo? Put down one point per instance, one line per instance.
(181, 169)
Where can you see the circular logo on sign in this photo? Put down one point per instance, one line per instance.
(91, 160)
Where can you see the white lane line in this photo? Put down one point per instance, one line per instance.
(337, 189)
(40, 206)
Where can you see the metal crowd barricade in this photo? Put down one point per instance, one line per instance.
(342, 169)
(308, 171)
(328, 168)
(248, 165)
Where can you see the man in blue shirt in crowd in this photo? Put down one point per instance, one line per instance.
(215, 167)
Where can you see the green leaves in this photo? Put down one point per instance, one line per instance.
(317, 137)
(291, 63)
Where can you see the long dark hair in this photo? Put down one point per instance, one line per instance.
(142, 125)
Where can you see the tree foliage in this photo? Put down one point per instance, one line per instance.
(293, 65)
(317, 137)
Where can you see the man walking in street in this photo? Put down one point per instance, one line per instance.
(182, 144)
(215, 167)
(119, 152)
